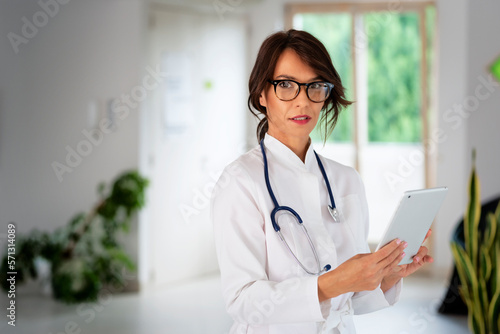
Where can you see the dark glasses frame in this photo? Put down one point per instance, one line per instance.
(275, 83)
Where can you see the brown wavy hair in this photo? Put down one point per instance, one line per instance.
(313, 53)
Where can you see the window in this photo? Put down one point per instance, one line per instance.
(384, 55)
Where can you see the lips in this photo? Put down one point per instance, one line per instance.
(300, 118)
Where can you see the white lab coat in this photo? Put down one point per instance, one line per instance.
(264, 289)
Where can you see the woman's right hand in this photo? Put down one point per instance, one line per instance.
(362, 272)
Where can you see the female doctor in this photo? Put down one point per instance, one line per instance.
(290, 225)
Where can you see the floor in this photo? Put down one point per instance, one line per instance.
(196, 307)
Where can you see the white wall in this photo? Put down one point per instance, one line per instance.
(483, 125)
(88, 51)
(451, 160)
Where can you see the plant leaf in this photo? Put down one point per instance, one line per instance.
(482, 302)
(494, 312)
(497, 220)
(485, 264)
(471, 218)
(495, 274)
(491, 230)
(465, 269)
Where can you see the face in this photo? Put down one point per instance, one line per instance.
(286, 117)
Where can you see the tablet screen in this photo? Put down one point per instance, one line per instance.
(413, 218)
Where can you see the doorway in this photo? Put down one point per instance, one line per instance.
(193, 125)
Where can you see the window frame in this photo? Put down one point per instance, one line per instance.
(429, 119)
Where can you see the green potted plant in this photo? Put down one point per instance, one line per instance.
(84, 255)
(477, 261)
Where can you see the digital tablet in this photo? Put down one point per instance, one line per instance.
(413, 218)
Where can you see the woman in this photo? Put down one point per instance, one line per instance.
(277, 278)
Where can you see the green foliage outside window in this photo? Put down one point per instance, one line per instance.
(334, 31)
(393, 64)
(394, 78)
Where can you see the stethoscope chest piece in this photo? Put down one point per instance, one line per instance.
(334, 213)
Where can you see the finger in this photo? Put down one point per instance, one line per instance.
(385, 251)
(394, 267)
(422, 252)
(395, 257)
(426, 259)
(427, 235)
(361, 255)
(414, 266)
(398, 259)
(397, 268)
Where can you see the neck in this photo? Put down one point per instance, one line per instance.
(298, 145)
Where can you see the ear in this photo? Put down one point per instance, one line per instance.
(262, 99)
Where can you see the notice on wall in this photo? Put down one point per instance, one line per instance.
(178, 105)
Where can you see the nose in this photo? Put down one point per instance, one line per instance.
(302, 98)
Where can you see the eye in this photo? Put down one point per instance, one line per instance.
(285, 84)
(317, 85)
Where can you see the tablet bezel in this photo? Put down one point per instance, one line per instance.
(409, 223)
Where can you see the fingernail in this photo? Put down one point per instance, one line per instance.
(403, 254)
(405, 244)
(417, 258)
(398, 241)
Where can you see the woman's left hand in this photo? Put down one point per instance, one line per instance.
(405, 270)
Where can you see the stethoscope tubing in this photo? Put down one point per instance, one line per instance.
(278, 208)
(327, 182)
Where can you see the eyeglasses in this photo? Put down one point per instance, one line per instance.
(287, 90)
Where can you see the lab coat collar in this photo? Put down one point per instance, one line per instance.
(281, 151)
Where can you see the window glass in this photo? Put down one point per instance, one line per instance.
(334, 31)
(393, 62)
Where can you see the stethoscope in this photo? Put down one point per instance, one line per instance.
(331, 208)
